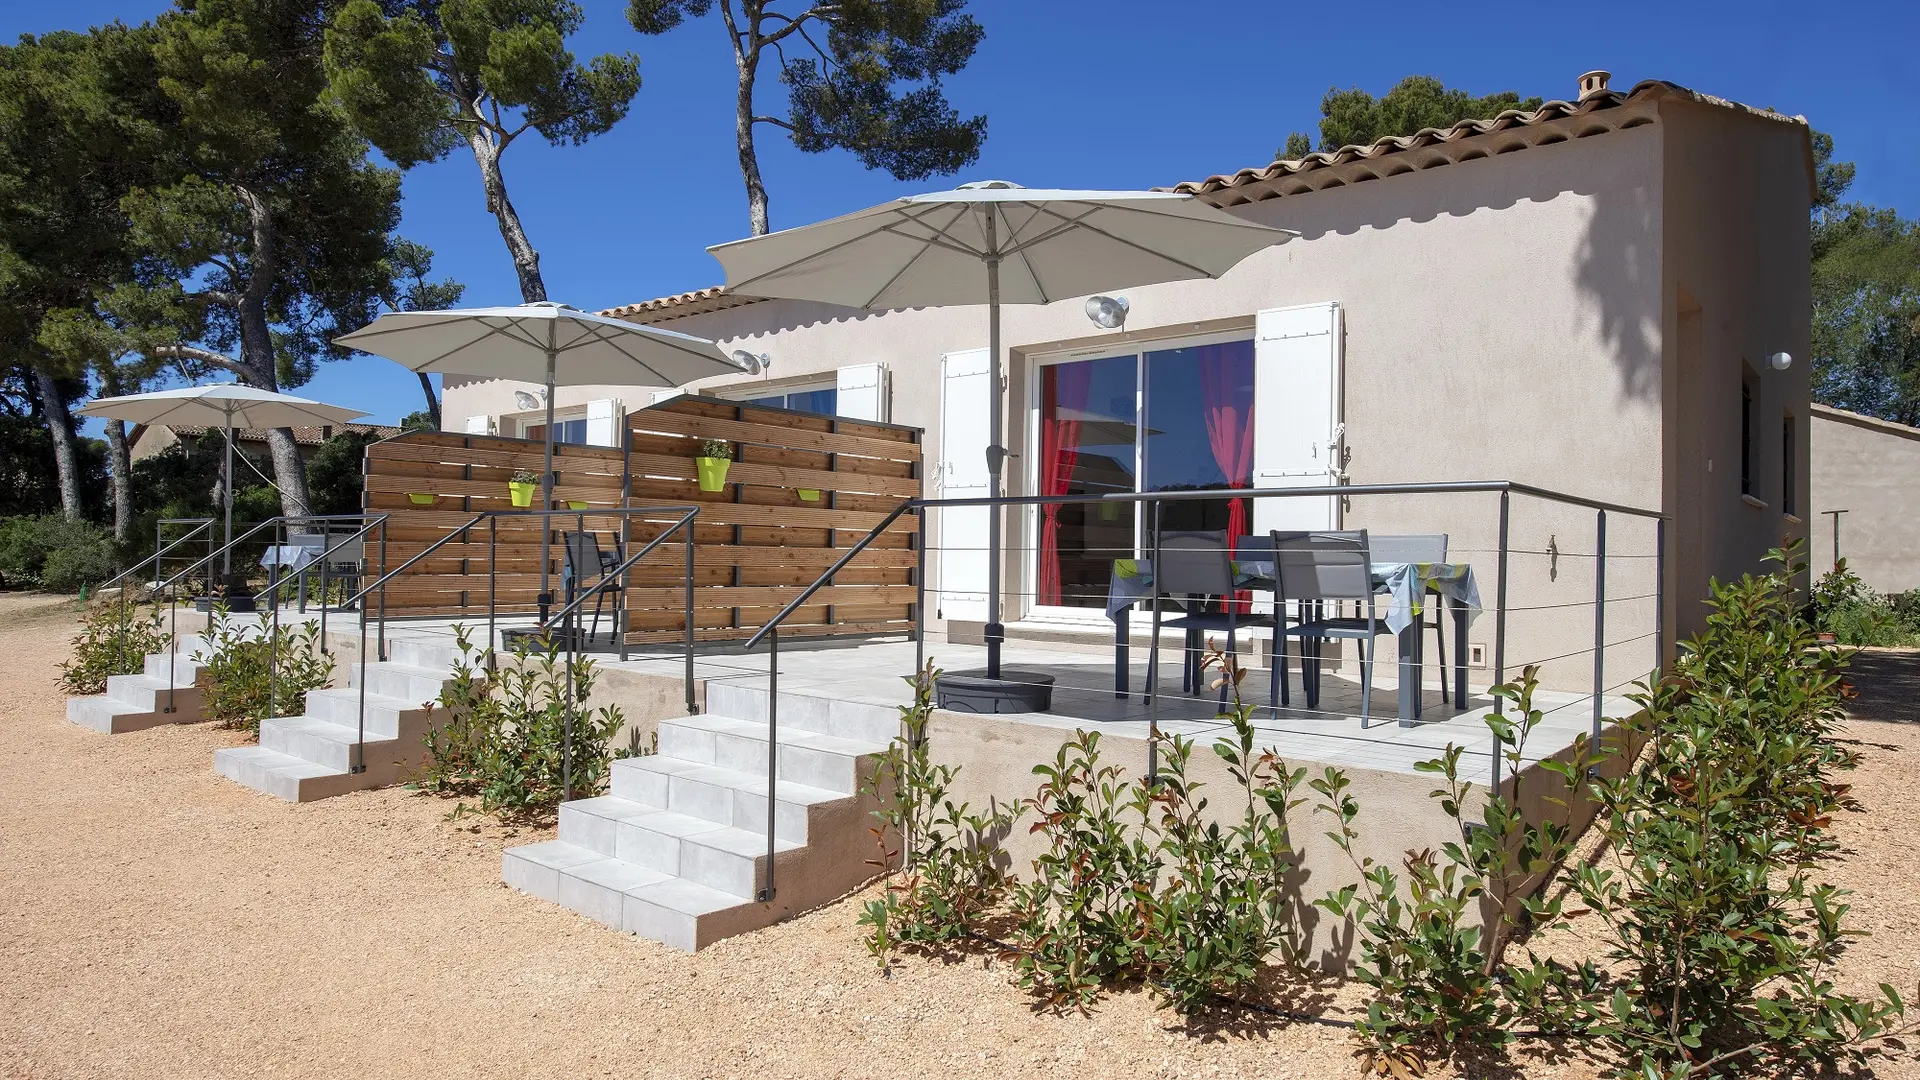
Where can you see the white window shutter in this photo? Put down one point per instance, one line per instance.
(479, 425)
(603, 422)
(664, 395)
(1296, 410)
(962, 566)
(861, 392)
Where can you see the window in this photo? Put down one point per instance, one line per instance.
(1746, 434)
(566, 430)
(815, 399)
(1788, 505)
(1178, 419)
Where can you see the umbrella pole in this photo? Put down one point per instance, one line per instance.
(996, 457)
(227, 484)
(546, 490)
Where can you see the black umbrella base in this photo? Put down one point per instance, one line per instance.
(236, 597)
(1013, 692)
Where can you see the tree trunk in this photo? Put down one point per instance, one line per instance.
(433, 399)
(526, 261)
(257, 356)
(748, 66)
(120, 463)
(66, 452)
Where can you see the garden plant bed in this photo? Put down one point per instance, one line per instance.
(159, 922)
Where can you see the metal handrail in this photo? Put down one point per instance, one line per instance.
(203, 524)
(369, 522)
(568, 618)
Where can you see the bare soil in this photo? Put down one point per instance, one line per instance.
(156, 921)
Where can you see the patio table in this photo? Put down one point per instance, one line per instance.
(1406, 585)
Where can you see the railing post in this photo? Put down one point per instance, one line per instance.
(773, 753)
(326, 537)
(920, 593)
(566, 708)
(493, 575)
(273, 633)
(383, 602)
(686, 537)
(1500, 624)
(1599, 623)
(358, 764)
(1659, 597)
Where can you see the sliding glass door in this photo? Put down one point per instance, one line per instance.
(1173, 419)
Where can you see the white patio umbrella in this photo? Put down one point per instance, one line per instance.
(572, 348)
(226, 405)
(1036, 245)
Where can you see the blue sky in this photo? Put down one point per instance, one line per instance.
(1115, 94)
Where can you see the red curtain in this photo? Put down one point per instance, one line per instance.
(1226, 397)
(1063, 400)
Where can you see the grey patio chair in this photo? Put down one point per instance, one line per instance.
(586, 565)
(1418, 548)
(1199, 567)
(1320, 566)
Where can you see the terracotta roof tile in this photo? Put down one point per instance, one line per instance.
(304, 436)
(697, 302)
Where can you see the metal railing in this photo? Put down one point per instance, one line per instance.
(568, 619)
(685, 515)
(1506, 489)
(162, 547)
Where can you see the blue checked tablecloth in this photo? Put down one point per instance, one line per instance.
(1406, 585)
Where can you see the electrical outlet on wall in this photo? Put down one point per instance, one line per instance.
(1476, 654)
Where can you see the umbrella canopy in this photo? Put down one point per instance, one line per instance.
(1051, 244)
(566, 346)
(226, 405)
(995, 242)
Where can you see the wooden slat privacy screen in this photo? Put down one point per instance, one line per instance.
(757, 541)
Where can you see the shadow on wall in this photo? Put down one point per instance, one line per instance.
(1619, 275)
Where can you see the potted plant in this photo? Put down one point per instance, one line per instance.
(712, 459)
(521, 487)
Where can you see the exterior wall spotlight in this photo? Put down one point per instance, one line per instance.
(754, 364)
(1780, 361)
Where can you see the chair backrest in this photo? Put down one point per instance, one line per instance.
(1193, 563)
(583, 556)
(1324, 565)
(1415, 548)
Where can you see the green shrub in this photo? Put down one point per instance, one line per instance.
(115, 640)
(256, 672)
(1854, 614)
(54, 553)
(948, 878)
(504, 739)
(1719, 936)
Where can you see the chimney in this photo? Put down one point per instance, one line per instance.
(1594, 83)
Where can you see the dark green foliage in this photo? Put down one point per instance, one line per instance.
(114, 640)
(54, 553)
(505, 739)
(256, 672)
(1856, 615)
(335, 475)
(948, 878)
(1866, 298)
(1354, 117)
(1720, 937)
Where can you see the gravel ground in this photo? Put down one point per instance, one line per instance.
(156, 921)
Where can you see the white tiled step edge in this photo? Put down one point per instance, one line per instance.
(303, 758)
(724, 796)
(696, 849)
(806, 757)
(630, 897)
(283, 775)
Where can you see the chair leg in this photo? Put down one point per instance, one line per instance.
(1277, 675)
(1233, 651)
(1153, 658)
(1440, 642)
(1366, 681)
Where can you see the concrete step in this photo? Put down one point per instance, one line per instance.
(283, 775)
(322, 742)
(675, 912)
(433, 654)
(695, 849)
(413, 684)
(853, 720)
(97, 712)
(386, 716)
(720, 795)
(151, 694)
(806, 757)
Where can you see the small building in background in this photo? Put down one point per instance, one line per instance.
(146, 440)
(1866, 484)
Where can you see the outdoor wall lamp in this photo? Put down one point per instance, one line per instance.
(754, 364)
(1780, 361)
(526, 400)
(1107, 312)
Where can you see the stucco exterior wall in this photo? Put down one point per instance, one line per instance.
(1737, 289)
(1871, 469)
(1484, 304)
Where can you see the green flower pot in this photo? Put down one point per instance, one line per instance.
(576, 504)
(522, 494)
(713, 472)
(809, 494)
(419, 499)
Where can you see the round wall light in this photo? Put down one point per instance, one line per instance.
(1780, 361)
